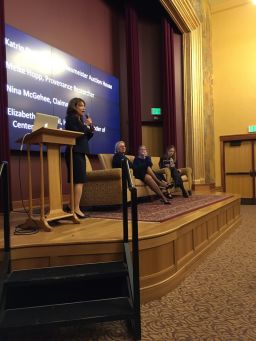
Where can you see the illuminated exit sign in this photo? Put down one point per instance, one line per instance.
(156, 111)
(252, 129)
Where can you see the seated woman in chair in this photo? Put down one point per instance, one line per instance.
(142, 170)
(120, 149)
(169, 160)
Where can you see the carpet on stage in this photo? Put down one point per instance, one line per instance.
(156, 211)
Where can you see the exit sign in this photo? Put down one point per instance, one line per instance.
(156, 111)
(252, 129)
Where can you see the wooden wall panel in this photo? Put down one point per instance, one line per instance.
(152, 138)
(231, 214)
(222, 220)
(156, 259)
(168, 251)
(200, 235)
(30, 263)
(84, 259)
(185, 247)
(238, 158)
(239, 184)
(212, 227)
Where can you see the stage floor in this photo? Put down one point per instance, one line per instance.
(168, 249)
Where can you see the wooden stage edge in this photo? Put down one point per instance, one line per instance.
(168, 250)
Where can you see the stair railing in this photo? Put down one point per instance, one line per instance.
(5, 195)
(132, 261)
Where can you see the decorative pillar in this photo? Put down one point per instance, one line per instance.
(194, 118)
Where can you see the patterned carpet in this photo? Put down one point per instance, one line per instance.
(157, 211)
(216, 302)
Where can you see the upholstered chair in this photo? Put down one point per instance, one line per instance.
(103, 187)
(186, 175)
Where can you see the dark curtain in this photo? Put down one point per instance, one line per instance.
(133, 78)
(4, 130)
(169, 106)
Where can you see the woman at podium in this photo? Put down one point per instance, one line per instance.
(75, 122)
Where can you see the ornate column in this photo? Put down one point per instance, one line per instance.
(194, 117)
(183, 14)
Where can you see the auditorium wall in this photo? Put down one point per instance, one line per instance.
(71, 26)
(92, 31)
(234, 72)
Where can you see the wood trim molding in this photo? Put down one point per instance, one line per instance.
(204, 187)
(182, 13)
(223, 166)
(238, 137)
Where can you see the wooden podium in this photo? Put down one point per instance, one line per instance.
(53, 139)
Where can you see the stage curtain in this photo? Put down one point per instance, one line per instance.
(169, 123)
(133, 78)
(173, 103)
(4, 130)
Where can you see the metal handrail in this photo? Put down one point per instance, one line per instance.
(5, 194)
(4, 176)
(132, 262)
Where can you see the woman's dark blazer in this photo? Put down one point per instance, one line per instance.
(73, 123)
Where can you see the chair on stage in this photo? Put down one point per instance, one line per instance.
(186, 176)
(103, 187)
(143, 190)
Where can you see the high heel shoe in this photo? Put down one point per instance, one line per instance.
(167, 186)
(168, 195)
(165, 202)
(170, 186)
(185, 194)
(86, 215)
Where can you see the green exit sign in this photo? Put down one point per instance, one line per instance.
(251, 129)
(156, 111)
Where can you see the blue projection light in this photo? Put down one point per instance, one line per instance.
(43, 79)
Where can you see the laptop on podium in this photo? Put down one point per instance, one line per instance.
(46, 121)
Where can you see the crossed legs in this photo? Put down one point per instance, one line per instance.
(158, 182)
(153, 182)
